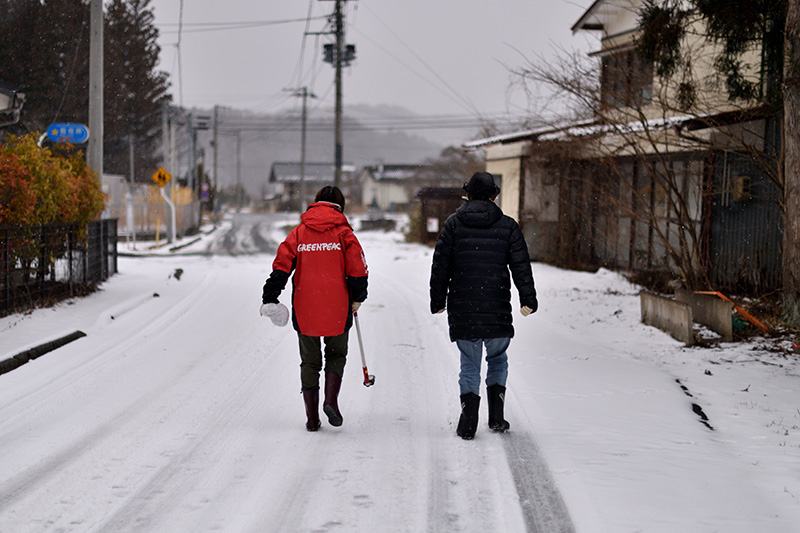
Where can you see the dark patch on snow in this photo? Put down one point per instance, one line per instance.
(695, 407)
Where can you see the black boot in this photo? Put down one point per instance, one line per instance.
(333, 382)
(468, 422)
(311, 399)
(497, 399)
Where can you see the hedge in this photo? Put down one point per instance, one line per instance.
(39, 185)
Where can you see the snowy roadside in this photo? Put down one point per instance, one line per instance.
(617, 409)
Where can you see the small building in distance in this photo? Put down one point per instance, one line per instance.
(289, 180)
(388, 187)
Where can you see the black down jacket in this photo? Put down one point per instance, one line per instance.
(470, 272)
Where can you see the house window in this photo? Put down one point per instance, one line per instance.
(626, 79)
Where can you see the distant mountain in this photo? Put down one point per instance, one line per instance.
(432, 128)
(368, 139)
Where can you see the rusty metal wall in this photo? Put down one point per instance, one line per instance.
(732, 203)
(746, 226)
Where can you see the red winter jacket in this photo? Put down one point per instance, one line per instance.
(330, 271)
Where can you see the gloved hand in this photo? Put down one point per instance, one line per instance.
(440, 311)
(525, 310)
(355, 306)
(278, 313)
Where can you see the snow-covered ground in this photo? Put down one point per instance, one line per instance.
(180, 411)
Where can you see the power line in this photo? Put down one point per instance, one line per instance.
(201, 27)
(299, 67)
(468, 105)
(377, 124)
(414, 71)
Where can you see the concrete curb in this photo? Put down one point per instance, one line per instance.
(16, 361)
(668, 315)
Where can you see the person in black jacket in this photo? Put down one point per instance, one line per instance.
(476, 249)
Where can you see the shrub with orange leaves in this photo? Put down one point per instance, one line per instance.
(65, 188)
(17, 199)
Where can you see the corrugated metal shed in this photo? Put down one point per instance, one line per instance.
(746, 226)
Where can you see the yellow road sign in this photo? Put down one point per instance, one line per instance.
(161, 176)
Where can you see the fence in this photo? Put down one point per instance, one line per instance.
(40, 265)
(149, 219)
(147, 209)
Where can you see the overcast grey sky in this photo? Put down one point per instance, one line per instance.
(433, 57)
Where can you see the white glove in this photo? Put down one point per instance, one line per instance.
(440, 311)
(525, 310)
(355, 306)
(278, 313)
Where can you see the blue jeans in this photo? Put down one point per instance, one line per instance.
(469, 380)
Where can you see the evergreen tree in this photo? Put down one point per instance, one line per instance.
(134, 91)
(44, 51)
(45, 54)
(15, 45)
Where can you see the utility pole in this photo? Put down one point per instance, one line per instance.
(340, 55)
(131, 163)
(190, 156)
(303, 153)
(129, 207)
(305, 95)
(239, 191)
(216, 151)
(94, 152)
(339, 25)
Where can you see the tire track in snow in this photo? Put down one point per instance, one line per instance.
(543, 508)
(104, 460)
(397, 294)
(153, 502)
(244, 235)
(19, 486)
(190, 473)
(446, 459)
(106, 351)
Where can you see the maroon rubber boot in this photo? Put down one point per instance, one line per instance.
(311, 399)
(333, 382)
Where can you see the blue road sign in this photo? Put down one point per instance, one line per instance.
(66, 132)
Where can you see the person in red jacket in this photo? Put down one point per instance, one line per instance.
(329, 284)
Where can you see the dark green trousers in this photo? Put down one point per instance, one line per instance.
(311, 358)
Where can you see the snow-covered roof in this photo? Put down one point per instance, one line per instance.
(583, 130)
(598, 15)
(531, 134)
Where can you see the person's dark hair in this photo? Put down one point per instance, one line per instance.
(332, 195)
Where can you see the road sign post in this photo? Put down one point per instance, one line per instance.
(162, 177)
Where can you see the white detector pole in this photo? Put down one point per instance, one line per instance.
(171, 214)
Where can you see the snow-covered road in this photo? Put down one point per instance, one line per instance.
(183, 413)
